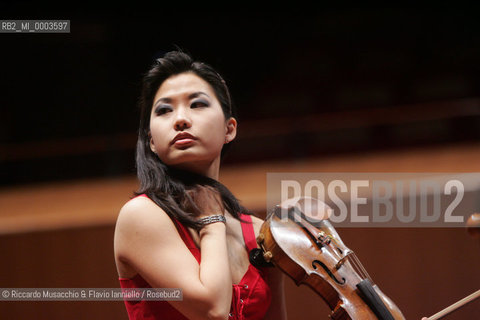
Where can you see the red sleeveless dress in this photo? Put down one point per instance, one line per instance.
(250, 298)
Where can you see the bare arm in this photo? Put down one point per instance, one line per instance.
(147, 240)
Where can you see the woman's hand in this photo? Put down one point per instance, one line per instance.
(206, 201)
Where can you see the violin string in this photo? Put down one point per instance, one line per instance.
(356, 266)
(364, 271)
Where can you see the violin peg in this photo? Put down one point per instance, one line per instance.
(267, 256)
(260, 238)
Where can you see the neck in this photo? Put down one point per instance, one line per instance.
(209, 169)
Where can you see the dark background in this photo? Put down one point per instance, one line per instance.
(305, 82)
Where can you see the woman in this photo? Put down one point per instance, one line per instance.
(184, 229)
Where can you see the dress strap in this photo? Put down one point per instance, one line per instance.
(248, 232)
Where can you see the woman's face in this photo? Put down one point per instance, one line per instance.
(185, 103)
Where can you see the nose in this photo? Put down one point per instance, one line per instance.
(182, 120)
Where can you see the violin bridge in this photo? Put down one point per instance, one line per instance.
(343, 260)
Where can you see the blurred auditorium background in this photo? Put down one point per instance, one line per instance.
(352, 90)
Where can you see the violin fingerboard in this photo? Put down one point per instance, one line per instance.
(371, 298)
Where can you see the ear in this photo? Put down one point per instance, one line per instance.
(152, 145)
(231, 129)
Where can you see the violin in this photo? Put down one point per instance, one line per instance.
(311, 252)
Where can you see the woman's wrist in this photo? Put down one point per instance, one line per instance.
(211, 219)
(212, 228)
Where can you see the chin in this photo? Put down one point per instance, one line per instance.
(189, 160)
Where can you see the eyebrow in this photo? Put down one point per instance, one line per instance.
(190, 96)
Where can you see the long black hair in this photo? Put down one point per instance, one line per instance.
(165, 185)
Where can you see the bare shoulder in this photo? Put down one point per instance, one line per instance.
(139, 212)
(137, 204)
(140, 218)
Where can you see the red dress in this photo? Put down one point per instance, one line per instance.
(250, 298)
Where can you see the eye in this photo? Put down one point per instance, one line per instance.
(161, 109)
(199, 103)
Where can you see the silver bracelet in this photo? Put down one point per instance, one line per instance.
(212, 219)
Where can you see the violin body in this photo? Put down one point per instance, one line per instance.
(314, 255)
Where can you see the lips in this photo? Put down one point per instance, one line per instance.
(184, 136)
